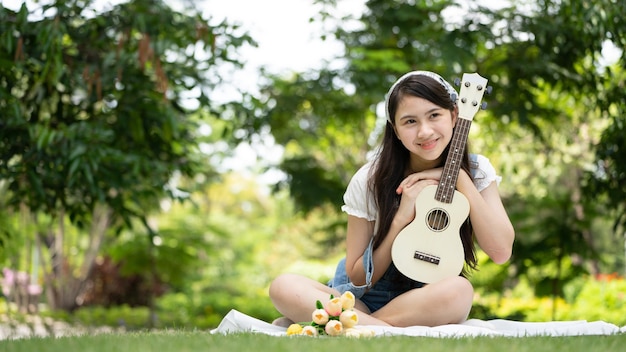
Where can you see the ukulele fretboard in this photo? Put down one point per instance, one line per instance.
(447, 184)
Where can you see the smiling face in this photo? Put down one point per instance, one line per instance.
(421, 111)
(425, 129)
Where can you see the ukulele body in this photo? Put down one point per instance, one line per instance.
(429, 248)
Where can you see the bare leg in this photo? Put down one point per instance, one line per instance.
(294, 296)
(446, 302)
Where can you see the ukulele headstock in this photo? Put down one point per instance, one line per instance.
(473, 87)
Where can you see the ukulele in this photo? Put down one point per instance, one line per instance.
(429, 248)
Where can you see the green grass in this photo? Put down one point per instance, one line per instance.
(183, 341)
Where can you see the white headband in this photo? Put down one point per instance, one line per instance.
(436, 77)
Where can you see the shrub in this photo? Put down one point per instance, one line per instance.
(584, 299)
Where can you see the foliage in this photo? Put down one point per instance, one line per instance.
(601, 299)
(585, 298)
(91, 110)
(117, 316)
(609, 177)
(108, 285)
(220, 249)
(6, 231)
(315, 111)
(95, 117)
(213, 253)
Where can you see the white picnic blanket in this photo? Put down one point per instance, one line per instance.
(236, 322)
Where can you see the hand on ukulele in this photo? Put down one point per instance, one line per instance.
(409, 188)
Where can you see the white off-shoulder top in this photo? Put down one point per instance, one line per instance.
(359, 203)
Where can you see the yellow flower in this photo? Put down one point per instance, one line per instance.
(334, 307)
(320, 316)
(334, 328)
(309, 330)
(347, 300)
(349, 318)
(294, 329)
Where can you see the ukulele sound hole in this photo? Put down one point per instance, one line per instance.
(437, 220)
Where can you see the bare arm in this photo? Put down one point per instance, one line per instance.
(492, 226)
(360, 230)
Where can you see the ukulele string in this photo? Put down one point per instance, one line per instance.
(450, 173)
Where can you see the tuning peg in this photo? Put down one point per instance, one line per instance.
(483, 106)
(489, 89)
(457, 81)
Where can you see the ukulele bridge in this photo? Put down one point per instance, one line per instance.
(433, 259)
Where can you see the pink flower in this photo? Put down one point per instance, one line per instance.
(22, 278)
(349, 318)
(334, 307)
(34, 290)
(334, 328)
(9, 276)
(320, 316)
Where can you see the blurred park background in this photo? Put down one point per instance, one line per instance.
(122, 196)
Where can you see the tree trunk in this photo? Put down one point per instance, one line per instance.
(65, 278)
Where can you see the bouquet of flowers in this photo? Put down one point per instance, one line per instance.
(336, 317)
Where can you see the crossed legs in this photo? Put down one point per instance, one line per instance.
(446, 302)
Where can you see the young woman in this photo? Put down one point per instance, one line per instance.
(380, 201)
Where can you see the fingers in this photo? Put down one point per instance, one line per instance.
(410, 192)
(432, 175)
(411, 185)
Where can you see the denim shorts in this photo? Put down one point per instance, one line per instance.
(341, 282)
(391, 284)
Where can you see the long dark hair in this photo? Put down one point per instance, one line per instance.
(393, 158)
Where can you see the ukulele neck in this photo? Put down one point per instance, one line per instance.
(450, 174)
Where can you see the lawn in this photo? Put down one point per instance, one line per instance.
(182, 341)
